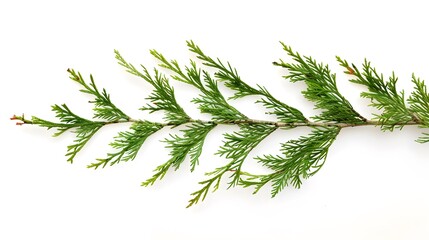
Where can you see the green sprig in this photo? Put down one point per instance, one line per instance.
(301, 158)
(383, 95)
(321, 88)
(104, 108)
(298, 159)
(128, 144)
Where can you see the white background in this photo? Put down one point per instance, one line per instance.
(374, 185)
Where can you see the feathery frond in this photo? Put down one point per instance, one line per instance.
(162, 98)
(83, 128)
(383, 95)
(321, 88)
(128, 144)
(299, 158)
(191, 143)
(104, 108)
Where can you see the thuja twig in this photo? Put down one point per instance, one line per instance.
(299, 158)
(21, 121)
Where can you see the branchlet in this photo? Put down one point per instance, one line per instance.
(299, 158)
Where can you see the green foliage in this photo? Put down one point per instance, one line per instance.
(82, 128)
(239, 144)
(104, 108)
(128, 143)
(236, 147)
(225, 73)
(301, 158)
(383, 95)
(162, 97)
(298, 159)
(283, 112)
(321, 88)
(229, 75)
(191, 143)
(211, 100)
(419, 105)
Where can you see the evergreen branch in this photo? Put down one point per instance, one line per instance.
(104, 108)
(383, 95)
(191, 143)
(282, 111)
(321, 88)
(190, 75)
(201, 194)
(128, 144)
(299, 158)
(162, 98)
(419, 101)
(225, 73)
(229, 75)
(419, 105)
(211, 100)
(83, 128)
(239, 144)
(236, 147)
